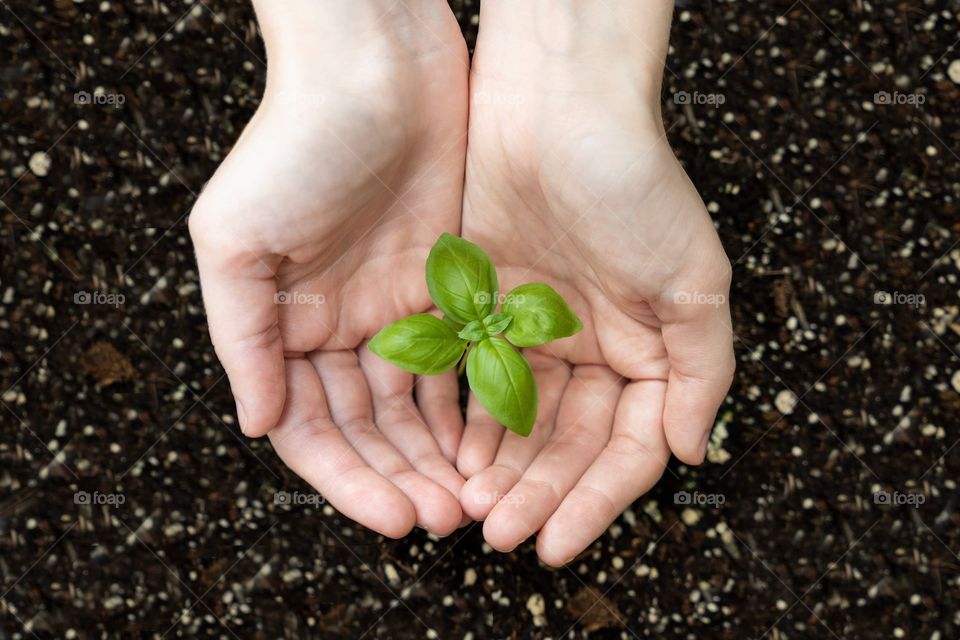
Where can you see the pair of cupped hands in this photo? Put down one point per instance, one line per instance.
(375, 135)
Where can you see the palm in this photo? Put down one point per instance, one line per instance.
(344, 200)
(605, 215)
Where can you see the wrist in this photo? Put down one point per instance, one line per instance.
(310, 39)
(617, 43)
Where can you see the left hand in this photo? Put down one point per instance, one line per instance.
(312, 236)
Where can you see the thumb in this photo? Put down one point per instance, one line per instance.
(239, 295)
(698, 338)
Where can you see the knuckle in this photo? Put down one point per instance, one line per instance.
(201, 223)
(216, 229)
(265, 339)
(724, 272)
(718, 272)
(729, 372)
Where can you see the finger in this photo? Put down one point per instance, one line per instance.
(515, 453)
(584, 422)
(438, 398)
(403, 425)
(308, 441)
(238, 293)
(351, 408)
(481, 437)
(630, 464)
(699, 342)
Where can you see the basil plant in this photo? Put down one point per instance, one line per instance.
(463, 284)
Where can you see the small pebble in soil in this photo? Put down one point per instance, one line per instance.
(393, 577)
(785, 402)
(40, 164)
(954, 71)
(537, 606)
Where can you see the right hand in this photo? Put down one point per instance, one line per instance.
(570, 181)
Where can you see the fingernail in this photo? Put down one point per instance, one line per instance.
(241, 420)
(703, 445)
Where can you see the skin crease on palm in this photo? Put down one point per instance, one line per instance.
(341, 183)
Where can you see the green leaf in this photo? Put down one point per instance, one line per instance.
(461, 279)
(502, 381)
(453, 324)
(540, 315)
(421, 344)
(496, 323)
(473, 331)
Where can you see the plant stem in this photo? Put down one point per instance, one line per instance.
(463, 361)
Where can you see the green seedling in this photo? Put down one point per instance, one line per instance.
(463, 284)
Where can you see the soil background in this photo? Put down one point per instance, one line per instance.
(835, 456)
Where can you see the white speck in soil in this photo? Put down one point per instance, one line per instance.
(954, 71)
(785, 402)
(537, 606)
(40, 163)
(392, 576)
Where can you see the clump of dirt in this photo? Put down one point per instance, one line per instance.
(107, 365)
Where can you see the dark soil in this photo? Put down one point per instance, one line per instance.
(123, 396)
